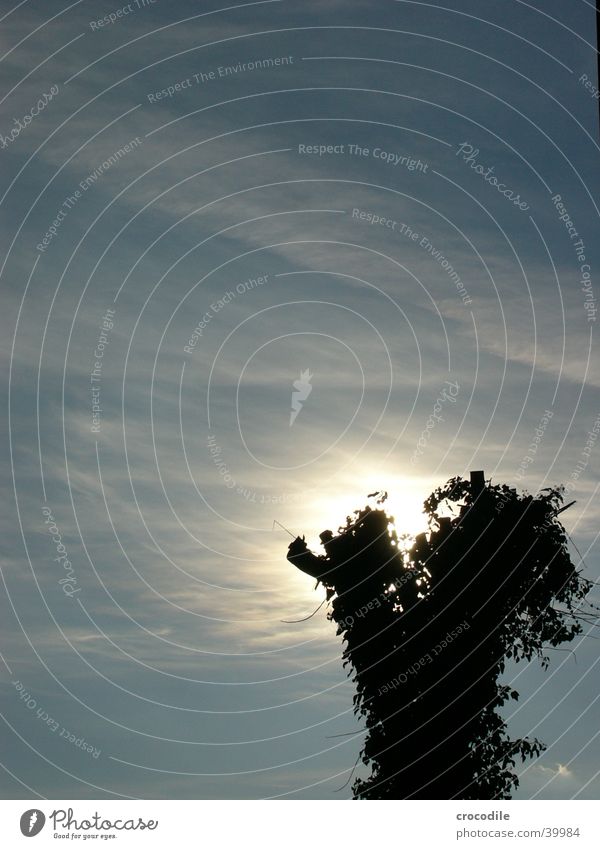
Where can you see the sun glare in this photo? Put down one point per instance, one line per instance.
(404, 503)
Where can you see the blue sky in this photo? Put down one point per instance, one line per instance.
(171, 659)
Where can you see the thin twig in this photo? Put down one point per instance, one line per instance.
(295, 621)
(350, 776)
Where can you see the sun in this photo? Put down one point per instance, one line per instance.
(404, 502)
(407, 512)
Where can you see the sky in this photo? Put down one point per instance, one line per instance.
(210, 214)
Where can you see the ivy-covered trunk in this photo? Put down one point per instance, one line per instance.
(427, 631)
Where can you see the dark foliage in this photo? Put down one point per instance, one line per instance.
(428, 630)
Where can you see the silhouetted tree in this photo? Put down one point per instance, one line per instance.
(428, 630)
